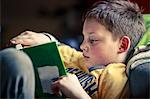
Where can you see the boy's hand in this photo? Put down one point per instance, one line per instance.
(29, 38)
(70, 86)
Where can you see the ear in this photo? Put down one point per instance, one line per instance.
(125, 43)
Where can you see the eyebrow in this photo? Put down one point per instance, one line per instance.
(89, 33)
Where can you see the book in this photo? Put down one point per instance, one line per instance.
(48, 66)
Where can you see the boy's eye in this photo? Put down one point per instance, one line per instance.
(93, 41)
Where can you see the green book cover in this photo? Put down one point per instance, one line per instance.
(48, 65)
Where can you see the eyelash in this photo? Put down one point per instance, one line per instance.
(93, 41)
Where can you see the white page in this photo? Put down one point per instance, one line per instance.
(46, 74)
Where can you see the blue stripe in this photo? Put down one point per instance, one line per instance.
(96, 67)
(87, 81)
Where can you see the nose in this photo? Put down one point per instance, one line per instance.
(83, 47)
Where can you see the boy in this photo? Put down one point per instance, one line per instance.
(110, 32)
(111, 29)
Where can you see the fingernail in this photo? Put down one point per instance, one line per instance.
(12, 41)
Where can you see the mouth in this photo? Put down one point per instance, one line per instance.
(85, 56)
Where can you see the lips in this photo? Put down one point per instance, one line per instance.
(85, 56)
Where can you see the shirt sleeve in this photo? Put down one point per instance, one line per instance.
(112, 81)
(72, 57)
(52, 38)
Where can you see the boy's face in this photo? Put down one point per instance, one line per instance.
(98, 46)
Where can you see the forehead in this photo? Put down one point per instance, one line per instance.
(92, 26)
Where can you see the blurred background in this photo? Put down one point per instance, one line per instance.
(62, 18)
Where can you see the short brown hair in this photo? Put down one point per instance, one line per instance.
(120, 17)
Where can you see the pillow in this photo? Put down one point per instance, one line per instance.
(145, 40)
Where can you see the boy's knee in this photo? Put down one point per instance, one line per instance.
(17, 74)
(14, 61)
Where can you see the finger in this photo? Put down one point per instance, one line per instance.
(14, 41)
(55, 89)
(22, 39)
(70, 75)
(26, 46)
(64, 76)
(56, 83)
(24, 35)
(57, 92)
(27, 33)
(26, 41)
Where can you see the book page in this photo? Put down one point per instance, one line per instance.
(46, 75)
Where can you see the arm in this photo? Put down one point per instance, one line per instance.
(70, 56)
(29, 38)
(70, 86)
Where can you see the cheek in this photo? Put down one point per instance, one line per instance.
(103, 53)
(97, 54)
(98, 57)
(102, 56)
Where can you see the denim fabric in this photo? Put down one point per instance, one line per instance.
(139, 81)
(17, 75)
